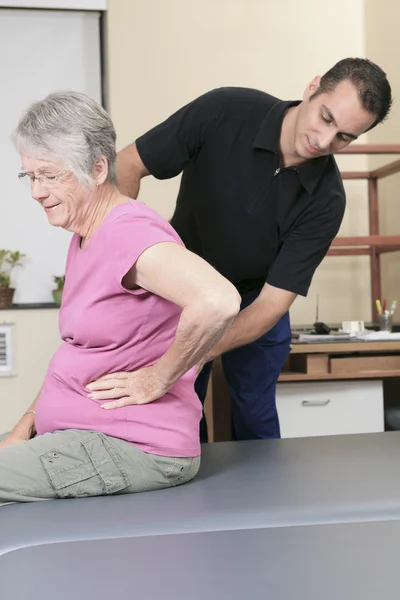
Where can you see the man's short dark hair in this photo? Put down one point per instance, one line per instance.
(373, 87)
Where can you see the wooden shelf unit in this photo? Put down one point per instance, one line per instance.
(374, 244)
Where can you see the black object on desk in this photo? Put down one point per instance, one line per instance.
(321, 328)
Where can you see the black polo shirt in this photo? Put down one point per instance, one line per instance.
(252, 220)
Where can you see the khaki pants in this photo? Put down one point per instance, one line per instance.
(75, 463)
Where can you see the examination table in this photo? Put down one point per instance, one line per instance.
(311, 518)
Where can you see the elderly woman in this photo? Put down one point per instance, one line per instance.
(117, 412)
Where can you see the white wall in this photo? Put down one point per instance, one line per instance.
(42, 51)
(180, 49)
(35, 339)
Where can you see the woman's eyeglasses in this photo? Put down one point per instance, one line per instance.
(45, 179)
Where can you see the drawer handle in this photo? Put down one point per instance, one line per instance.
(310, 403)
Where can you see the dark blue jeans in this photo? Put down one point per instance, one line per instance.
(251, 373)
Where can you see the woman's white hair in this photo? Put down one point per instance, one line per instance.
(72, 129)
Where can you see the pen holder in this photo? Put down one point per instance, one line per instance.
(385, 322)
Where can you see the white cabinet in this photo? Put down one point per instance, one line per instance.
(330, 407)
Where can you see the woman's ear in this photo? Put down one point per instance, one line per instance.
(311, 88)
(100, 171)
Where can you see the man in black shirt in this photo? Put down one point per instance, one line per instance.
(261, 199)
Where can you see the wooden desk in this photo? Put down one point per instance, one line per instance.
(342, 360)
(309, 362)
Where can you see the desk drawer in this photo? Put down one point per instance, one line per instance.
(330, 408)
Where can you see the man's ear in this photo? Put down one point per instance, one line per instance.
(311, 88)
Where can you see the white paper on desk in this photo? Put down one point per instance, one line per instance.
(330, 337)
(378, 336)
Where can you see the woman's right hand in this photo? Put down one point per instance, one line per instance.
(14, 437)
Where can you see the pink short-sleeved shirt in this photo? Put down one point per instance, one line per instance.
(106, 328)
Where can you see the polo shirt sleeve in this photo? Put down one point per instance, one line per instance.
(167, 148)
(307, 244)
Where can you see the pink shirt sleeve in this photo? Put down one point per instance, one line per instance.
(132, 234)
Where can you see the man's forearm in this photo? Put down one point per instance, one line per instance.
(246, 327)
(129, 186)
(253, 322)
(198, 331)
(130, 170)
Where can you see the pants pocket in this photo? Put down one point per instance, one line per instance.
(85, 467)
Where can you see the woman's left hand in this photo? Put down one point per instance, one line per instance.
(136, 387)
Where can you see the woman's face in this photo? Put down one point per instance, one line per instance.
(63, 198)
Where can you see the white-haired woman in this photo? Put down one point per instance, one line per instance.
(117, 412)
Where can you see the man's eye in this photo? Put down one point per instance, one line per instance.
(50, 177)
(325, 119)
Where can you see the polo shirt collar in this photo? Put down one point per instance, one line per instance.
(267, 138)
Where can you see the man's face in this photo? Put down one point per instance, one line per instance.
(330, 121)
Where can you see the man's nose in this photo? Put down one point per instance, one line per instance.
(326, 138)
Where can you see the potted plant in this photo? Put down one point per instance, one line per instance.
(59, 280)
(8, 261)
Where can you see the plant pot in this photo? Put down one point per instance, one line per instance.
(57, 296)
(6, 296)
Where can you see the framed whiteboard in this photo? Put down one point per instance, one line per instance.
(57, 4)
(42, 51)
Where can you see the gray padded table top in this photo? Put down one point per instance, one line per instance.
(241, 485)
(324, 562)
